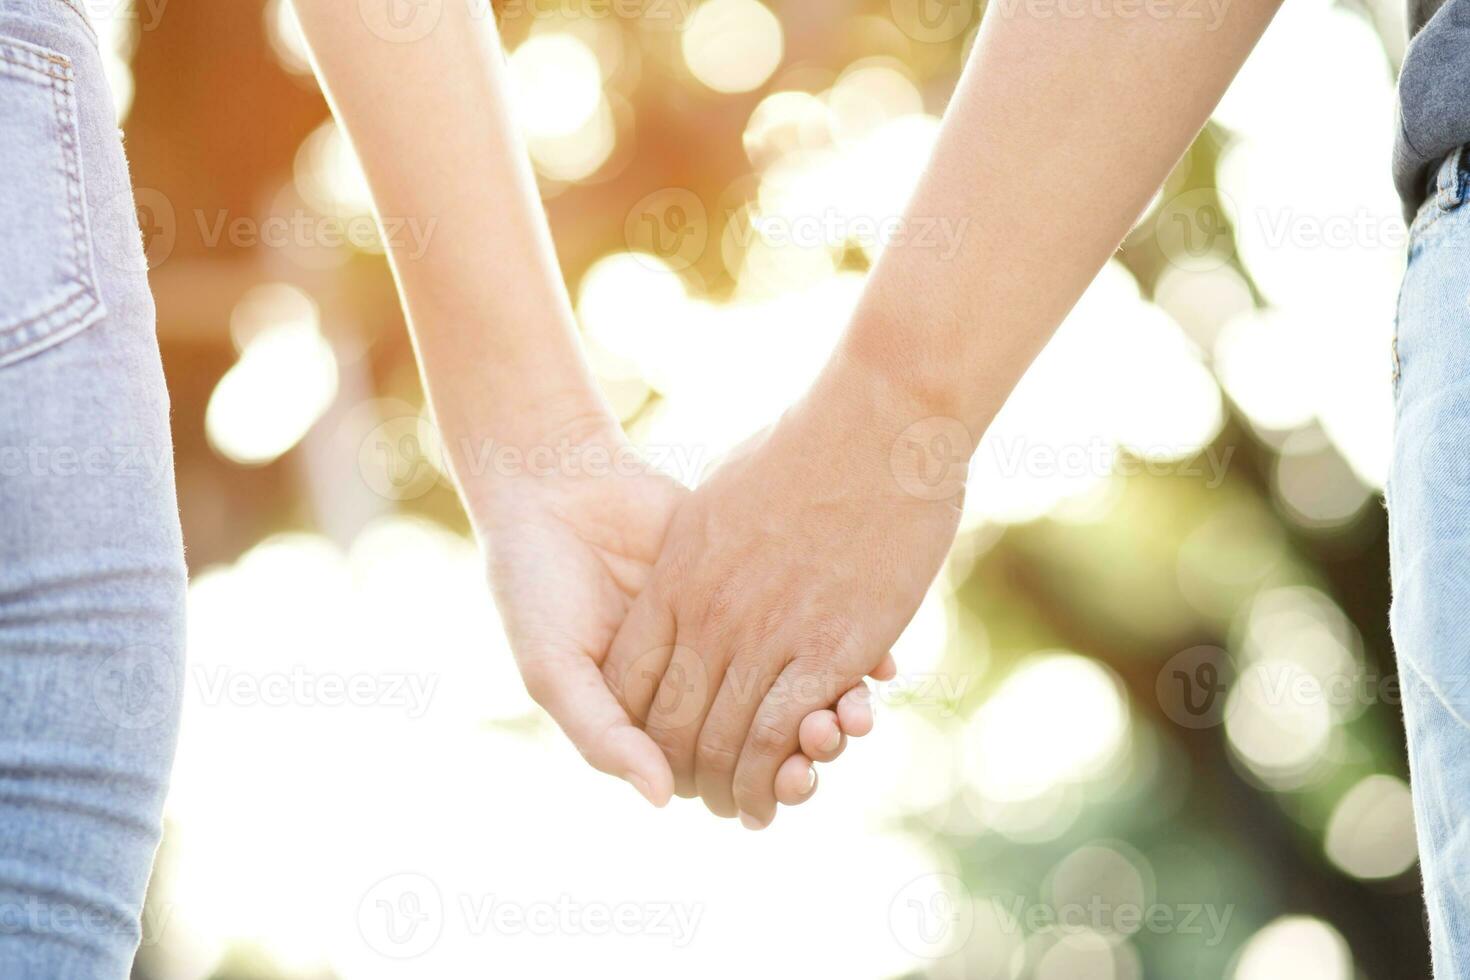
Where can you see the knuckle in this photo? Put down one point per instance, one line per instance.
(716, 755)
(767, 739)
(719, 605)
(767, 625)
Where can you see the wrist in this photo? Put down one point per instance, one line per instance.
(909, 374)
(914, 444)
(511, 452)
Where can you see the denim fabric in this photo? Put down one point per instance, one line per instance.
(1429, 541)
(91, 562)
(1434, 94)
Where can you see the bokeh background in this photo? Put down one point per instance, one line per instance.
(1147, 724)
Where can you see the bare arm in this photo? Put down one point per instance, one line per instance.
(793, 570)
(1058, 134)
(430, 119)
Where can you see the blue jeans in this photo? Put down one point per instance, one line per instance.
(1429, 541)
(91, 561)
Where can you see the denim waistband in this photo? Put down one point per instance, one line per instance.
(62, 13)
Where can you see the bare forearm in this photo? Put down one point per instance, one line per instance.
(431, 122)
(1060, 131)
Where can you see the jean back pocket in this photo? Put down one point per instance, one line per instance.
(48, 289)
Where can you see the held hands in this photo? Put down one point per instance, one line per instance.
(570, 544)
(781, 582)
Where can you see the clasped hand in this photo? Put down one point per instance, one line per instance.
(714, 643)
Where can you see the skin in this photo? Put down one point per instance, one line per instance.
(788, 575)
(759, 612)
(794, 568)
(566, 551)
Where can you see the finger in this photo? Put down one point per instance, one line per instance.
(678, 712)
(855, 710)
(796, 780)
(806, 685)
(886, 670)
(573, 692)
(820, 736)
(722, 737)
(640, 653)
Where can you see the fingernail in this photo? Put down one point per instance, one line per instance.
(749, 822)
(833, 740)
(641, 785)
(811, 778)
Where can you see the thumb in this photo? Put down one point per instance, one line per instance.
(572, 690)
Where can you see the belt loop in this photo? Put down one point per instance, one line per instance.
(1451, 181)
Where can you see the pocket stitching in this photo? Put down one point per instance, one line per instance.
(82, 305)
